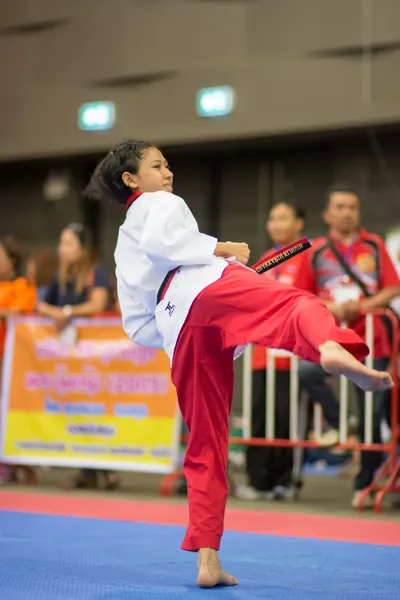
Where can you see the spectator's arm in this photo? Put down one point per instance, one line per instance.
(381, 299)
(48, 310)
(97, 303)
(7, 312)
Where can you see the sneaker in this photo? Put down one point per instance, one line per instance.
(368, 502)
(246, 492)
(237, 460)
(284, 492)
(328, 439)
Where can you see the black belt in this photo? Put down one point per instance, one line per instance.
(165, 284)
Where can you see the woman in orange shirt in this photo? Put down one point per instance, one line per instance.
(17, 295)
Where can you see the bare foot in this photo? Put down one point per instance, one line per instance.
(337, 361)
(210, 572)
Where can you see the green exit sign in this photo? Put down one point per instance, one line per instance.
(96, 116)
(215, 101)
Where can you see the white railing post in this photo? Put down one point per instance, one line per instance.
(343, 408)
(369, 396)
(247, 391)
(270, 396)
(294, 398)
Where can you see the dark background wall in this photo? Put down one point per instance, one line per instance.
(229, 190)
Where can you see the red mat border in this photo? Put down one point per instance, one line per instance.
(249, 521)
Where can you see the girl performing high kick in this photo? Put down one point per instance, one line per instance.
(191, 294)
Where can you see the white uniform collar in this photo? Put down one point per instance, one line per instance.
(132, 199)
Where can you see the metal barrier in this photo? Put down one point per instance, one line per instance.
(390, 469)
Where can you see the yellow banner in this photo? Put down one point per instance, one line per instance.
(100, 402)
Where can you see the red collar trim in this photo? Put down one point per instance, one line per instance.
(132, 199)
(363, 234)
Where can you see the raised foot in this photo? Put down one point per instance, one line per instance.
(210, 572)
(337, 361)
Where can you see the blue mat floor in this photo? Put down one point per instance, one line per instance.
(66, 558)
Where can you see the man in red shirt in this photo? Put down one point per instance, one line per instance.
(322, 273)
(270, 469)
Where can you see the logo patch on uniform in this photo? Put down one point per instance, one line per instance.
(170, 308)
(365, 263)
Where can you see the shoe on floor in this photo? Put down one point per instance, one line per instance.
(368, 502)
(284, 492)
(246, 492)
(328, 439)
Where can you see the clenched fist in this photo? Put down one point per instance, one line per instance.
(239, 250)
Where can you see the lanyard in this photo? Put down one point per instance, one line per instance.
(347, 252)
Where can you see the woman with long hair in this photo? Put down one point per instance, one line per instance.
(81, 288)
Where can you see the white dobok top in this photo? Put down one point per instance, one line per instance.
(159, 234)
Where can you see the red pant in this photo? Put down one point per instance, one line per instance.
(240, 307)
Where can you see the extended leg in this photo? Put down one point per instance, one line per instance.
(251, 308)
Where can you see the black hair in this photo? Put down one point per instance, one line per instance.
(106, 181)
(14, 251)
(83, 233)
(340, 187)
(298, 212)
